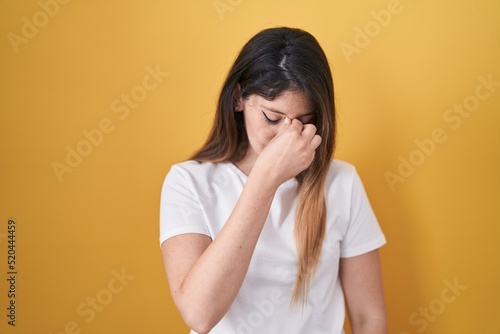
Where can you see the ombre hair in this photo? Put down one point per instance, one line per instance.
(274, 61)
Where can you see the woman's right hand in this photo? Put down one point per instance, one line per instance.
(290, 152)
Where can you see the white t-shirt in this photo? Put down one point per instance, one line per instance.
(199, 197)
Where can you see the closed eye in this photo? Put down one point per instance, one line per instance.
(307, 119)
(268, 120)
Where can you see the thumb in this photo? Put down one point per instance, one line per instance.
(286, 123)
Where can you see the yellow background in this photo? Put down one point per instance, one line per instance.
(74, 235)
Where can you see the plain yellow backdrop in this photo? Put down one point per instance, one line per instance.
(99, 99)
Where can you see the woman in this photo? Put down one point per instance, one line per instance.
(261, 232)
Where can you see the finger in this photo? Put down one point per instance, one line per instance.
(287, 122)
(308, 131)
(296, 124)
(315, 141)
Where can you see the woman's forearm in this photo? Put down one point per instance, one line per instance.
(374, 326)
(211, 285)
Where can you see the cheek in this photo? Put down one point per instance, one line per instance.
(259, 133)
(266, 135)
(260, 136)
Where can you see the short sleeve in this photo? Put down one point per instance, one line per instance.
(363, 232)
(180, 211)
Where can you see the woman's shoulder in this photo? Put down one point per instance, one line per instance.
(341, 173)
(191, 174)
(341, 168)
(192, 168)
(195, 165)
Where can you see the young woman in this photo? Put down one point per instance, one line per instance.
(261, 231)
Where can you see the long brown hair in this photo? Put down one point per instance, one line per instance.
(273, 61)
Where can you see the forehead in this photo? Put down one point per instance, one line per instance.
(290, 103)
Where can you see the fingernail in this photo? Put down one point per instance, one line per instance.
(287, 120)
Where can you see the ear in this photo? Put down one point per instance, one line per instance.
(238, 100)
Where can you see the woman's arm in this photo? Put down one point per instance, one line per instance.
(204, 275)
(362, 284)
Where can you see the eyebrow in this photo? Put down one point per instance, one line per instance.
(282, 113)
